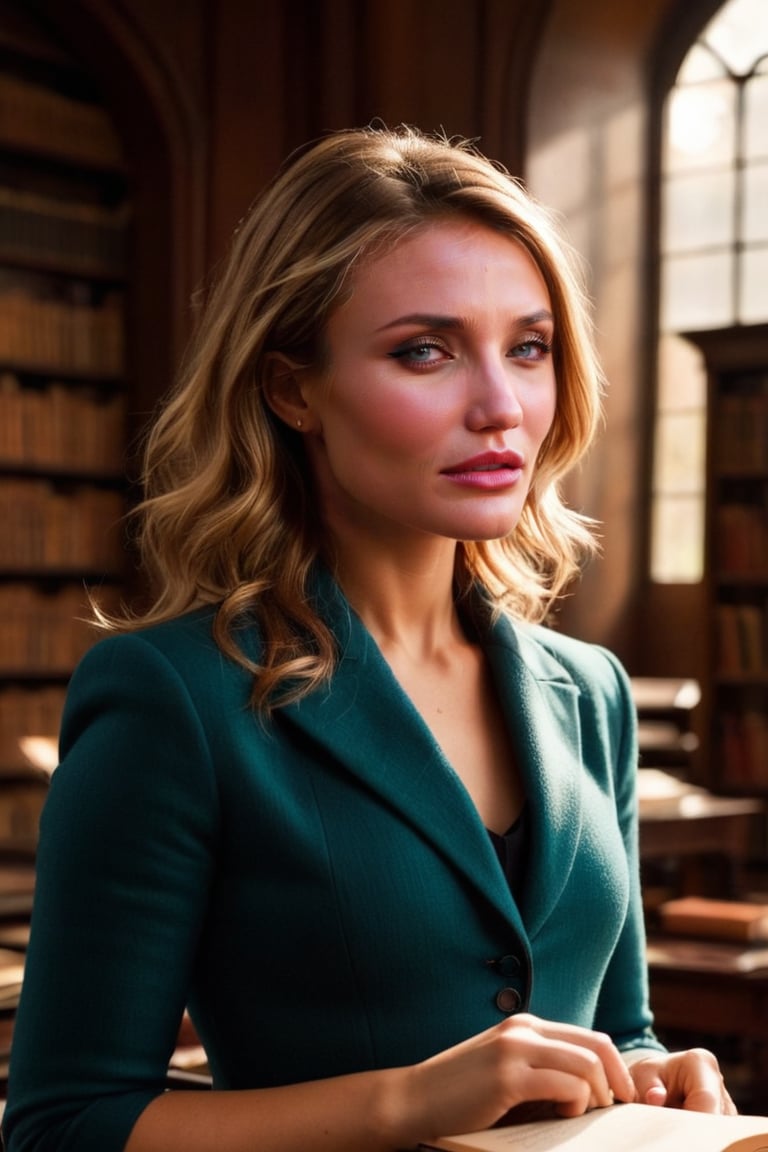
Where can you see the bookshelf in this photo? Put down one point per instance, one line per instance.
(737, 556)
(65, 219)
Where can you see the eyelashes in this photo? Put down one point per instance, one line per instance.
(414, 351)
(538, 344)
(425, 351)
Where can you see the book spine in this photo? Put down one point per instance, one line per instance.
(742, 747)
(20, 809)
(742, 539)
(742, 639)
(62, 335)
(707, 928)
(46, 632)
(28, 712)
(37, 118)
(60, 530)
(82, 237)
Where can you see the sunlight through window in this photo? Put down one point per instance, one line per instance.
(714, 257)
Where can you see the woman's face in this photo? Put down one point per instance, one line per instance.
(439, 389)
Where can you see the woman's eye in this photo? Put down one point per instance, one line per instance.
(419, 353)
(534, 349)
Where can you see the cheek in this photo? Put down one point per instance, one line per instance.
(390, 420)
(541, 412)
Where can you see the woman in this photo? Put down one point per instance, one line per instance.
(337, 791)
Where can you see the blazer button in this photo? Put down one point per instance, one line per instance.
(508, 965)
(508, 1001)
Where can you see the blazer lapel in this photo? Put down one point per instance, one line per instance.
(540, 702)
(366, 722)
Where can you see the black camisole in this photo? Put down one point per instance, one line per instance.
(512, 851)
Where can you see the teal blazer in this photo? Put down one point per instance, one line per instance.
(319, 890)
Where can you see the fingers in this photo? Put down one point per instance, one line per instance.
(656, 1094)
(717, 1103)
(568, 1094)
(707, 1093)
(581, 1049)
(691, 1080)
(573, 1066)
(522, 1059)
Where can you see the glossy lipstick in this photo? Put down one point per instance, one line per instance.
(489, 470)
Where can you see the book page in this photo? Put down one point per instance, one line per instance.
(629, 1127)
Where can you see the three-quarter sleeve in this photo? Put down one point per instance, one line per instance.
(124, 866)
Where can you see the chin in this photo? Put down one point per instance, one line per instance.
(475, 535)
(480, 524)
(493, 528)
(486, 537)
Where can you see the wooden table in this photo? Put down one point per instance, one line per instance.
(698, 826)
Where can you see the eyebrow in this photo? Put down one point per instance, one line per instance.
(429, 320)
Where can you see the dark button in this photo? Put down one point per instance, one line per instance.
(508, 965)
(508, 1001)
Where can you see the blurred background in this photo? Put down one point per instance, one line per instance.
(134, 134)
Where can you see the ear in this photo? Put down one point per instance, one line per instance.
(285, 382)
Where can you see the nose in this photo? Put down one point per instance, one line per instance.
(494, 401)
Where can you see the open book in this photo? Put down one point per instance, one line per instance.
(629, 1127)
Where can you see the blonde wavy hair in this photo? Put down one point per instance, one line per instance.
(229, 516)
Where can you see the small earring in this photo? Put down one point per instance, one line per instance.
(299, 423)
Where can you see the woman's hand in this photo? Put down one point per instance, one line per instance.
(690, 1079)
(472, 1085)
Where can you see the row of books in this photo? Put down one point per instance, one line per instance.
(742, 539)
(17, 890)
(742, 432)
(88, 239)
(27, 713)
(77, 528)
(743, 748)
(47, 631)
(742, 639)
(21, 802)
(40, 119)
(61, 334)
(61, 425)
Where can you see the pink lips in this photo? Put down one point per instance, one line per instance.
(489, 470)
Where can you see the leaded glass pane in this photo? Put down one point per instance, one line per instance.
(755, 203)
(756, 118)
(680, 453)
(699, 64)
(700, 126)
(696, 292)
(754, 286)
(698, 211)
(708, 270)
(677, 539)
(682, 375)
(737, 32)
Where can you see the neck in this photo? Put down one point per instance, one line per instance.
(405, 599)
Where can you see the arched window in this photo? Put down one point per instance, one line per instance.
(714, 256)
